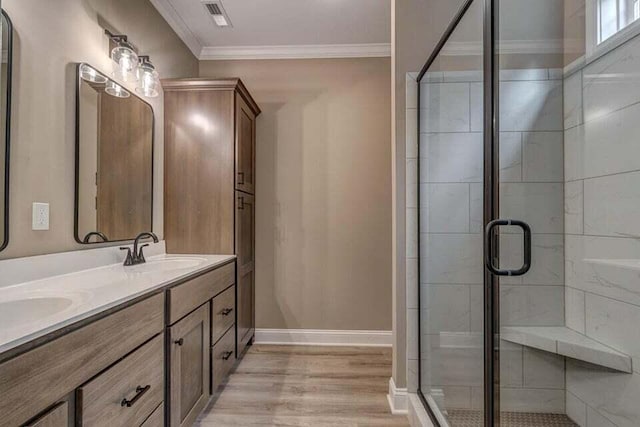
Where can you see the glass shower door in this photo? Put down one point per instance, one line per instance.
(451, 141)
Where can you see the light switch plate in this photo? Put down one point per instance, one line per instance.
(40, 216)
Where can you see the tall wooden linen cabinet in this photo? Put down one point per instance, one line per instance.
(209, 184)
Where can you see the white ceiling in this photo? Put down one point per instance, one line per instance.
(283, 28)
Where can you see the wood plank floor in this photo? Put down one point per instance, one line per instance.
(306, 386)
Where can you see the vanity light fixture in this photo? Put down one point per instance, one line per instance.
(124, 56)
(114, 89)
(148, 80)
(90, 74)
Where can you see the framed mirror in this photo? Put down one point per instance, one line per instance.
(114, 160)
(5, 124)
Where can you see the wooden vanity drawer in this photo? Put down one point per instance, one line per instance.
(188, 296)
(156, 419)
(223, 313)
(222, 358)
(58, 416)
(127, 393)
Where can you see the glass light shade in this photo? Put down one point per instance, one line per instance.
(90, 74)
(116, 90)
(148, 81)
(125, 61)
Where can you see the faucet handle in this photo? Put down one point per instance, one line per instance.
(140, 254)
(129, 259)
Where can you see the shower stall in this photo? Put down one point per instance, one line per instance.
(522, 216)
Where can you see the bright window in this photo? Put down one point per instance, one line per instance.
(614, 16)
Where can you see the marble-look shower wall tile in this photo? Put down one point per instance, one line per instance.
(531, 305)
(477, 107)
(511, 374)
(463, 76)
(444, 107)
(524, 74)
(452, 258)
(612, 82)
(412, 333)
(574, 307)
(456, 397)
(574, 207)
(450, 317)
(541, 205)
(547, 258)
(543, 157)
(584, 272)
(532, 400)
(612, 205)
(476, 208)
(576, 409)
(613, 394)
(455, 366)
(606, 145)
(573, 100)
(412, 232)
(543, 370)
(531, 106)
(452, 157)
(594, 419)
(574, 153)
(448, 208)
(511, 157)
(615, 324)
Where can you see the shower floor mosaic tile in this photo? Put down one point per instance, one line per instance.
(462, 418)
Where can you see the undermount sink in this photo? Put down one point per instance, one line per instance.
(12, 312)
(166, 264)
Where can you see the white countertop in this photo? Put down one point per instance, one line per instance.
(35, 308)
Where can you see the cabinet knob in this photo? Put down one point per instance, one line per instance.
(179, 342)
(227, 355)
(226, 311)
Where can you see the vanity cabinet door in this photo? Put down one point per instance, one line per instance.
(245, 146)
(58, 416)
(189, 367)
(245, 230)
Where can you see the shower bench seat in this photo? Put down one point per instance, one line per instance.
(567, 342)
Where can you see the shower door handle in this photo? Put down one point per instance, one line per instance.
(489, 246)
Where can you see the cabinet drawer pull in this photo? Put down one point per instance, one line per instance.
(140, 391)
(241, 176)
(179, 342)
(226, 311)
(227, 355)
(240, 203)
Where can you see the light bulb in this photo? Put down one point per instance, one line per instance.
(148, 80)
(125, 60)
(90, 74)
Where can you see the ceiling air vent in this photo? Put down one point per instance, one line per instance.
(217, 13)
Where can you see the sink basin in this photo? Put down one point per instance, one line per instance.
(166, 264)
(16, 312)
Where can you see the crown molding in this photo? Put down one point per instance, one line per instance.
(369, 50)
(169, 13)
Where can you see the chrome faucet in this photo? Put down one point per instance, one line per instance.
(137, 256)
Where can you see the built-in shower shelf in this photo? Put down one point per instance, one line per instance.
(567, 342)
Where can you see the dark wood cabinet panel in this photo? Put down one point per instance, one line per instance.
(245, 146)
(199, 171)
(189, 367)
(245, 251)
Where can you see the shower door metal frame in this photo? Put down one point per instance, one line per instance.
(491, 206)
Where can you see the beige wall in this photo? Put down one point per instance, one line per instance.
(323, 205)
(50, 37)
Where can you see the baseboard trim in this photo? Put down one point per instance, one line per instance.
(398, 399)
(324, 337)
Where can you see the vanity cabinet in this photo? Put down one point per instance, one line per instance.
(154, 362)
(210, 180)
(189, 356)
